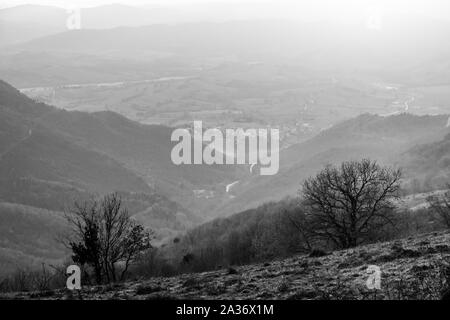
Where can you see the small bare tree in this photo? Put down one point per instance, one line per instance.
(104, 236)
(84, 240)
(440, 204)
(346, 204)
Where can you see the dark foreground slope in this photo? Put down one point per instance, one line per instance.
(411, 268)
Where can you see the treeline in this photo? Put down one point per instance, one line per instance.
(258, 235)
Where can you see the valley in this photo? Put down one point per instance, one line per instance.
(88, 112)
(304, 115)
(187, 196)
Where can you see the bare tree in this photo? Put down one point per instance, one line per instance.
(441, 206)
(104, 236)
(84, 240)
(346, 204)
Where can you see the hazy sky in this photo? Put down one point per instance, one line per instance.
(310, 9)
(91, 3)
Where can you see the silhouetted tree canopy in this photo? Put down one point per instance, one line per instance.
(348, 203)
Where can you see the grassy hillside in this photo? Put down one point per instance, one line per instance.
(412, 268)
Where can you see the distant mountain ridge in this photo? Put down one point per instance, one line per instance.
(312, 42)
(26, 22)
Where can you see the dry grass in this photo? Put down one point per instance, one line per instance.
(413, 268)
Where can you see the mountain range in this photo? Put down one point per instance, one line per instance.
(139, 47)
(25, 22)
